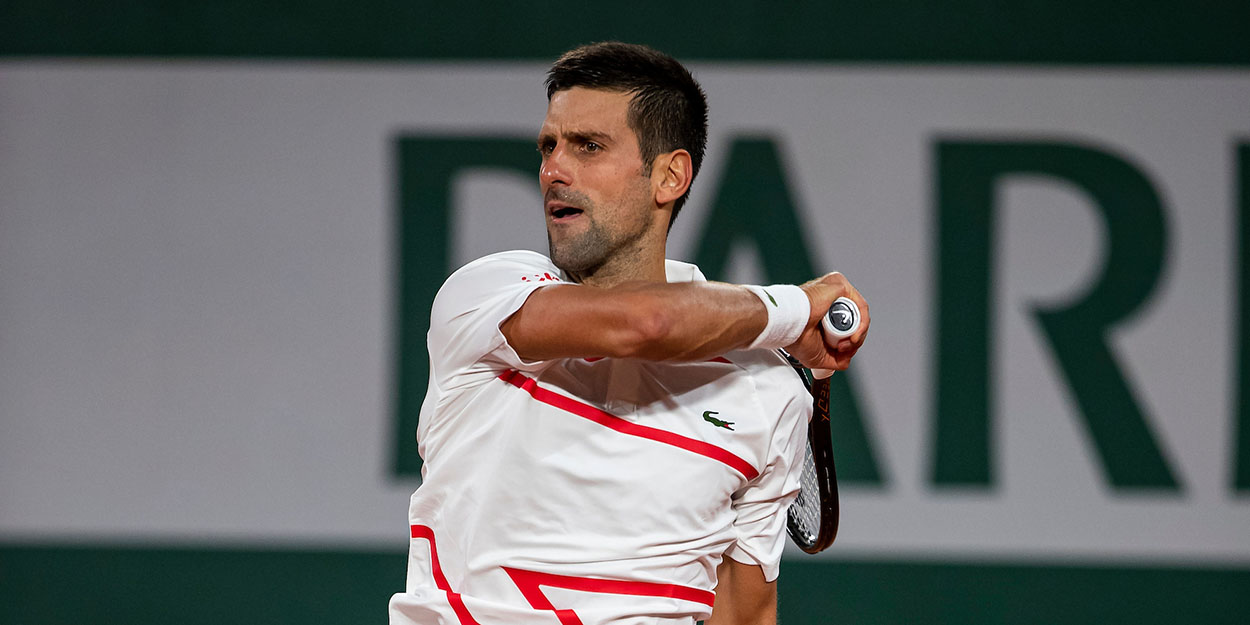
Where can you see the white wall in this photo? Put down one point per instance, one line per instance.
(195, 290)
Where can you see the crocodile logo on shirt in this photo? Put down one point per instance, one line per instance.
(707, 416)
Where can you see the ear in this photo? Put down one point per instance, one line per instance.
(672, 174)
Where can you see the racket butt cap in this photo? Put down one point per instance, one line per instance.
(842, 319)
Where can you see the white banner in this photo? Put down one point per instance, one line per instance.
(196, 291)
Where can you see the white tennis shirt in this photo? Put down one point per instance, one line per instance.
(588, 490)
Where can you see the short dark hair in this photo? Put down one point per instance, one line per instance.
(668, 110)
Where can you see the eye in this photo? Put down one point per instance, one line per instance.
(591, 146)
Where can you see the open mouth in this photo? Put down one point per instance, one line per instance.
(565, 212)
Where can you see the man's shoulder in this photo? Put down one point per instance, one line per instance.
(508, 259)
(513, 265)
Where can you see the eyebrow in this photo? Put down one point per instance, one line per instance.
(578, 135)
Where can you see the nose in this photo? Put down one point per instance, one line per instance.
(555, 168)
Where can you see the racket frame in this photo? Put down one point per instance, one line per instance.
(820, 439)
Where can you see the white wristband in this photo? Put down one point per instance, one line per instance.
(788, 313)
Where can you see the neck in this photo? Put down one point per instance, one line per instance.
(643, 261)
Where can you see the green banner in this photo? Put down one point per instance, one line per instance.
(954, 31)
(54, 585)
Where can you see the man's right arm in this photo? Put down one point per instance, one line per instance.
(669, 321)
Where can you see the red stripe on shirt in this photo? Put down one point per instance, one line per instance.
(440, 580)
(606, 419)
(529, 580)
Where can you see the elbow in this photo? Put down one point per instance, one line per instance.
(646, 330)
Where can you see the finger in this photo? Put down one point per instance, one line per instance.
(834, 359)
(861, 335)
(865, 321)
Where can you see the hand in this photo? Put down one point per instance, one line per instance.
(813, 349)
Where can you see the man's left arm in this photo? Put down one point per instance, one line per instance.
(743, 596)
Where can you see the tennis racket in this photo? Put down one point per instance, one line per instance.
(812, 520)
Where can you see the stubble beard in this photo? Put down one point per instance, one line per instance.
(584, 253)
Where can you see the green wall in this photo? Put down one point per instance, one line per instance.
(50, 585)
(942, 31)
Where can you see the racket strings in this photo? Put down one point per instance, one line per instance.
(805, 512)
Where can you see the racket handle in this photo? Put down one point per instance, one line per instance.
(842, 319)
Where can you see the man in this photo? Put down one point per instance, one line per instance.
(608, 438)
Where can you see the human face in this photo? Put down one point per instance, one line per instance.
(598, 199)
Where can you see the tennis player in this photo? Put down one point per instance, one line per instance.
(608, 437)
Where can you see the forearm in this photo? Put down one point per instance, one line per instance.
(650, 321)
(742, 596)
(694, 321)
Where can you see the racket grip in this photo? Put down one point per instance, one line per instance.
(842, 319)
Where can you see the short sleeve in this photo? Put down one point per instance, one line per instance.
(760, 507)
(464, 322)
